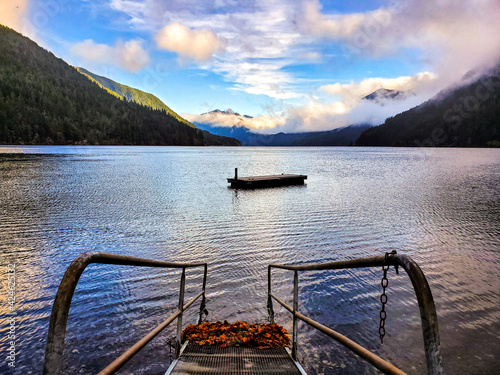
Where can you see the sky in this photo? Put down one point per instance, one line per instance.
(291, 65)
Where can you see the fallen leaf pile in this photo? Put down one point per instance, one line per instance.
(260, 336)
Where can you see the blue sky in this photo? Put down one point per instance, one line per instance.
(293, 65)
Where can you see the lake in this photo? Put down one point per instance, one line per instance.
(439, 206)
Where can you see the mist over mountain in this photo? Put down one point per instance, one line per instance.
(386, 94)
(466, 114)
(338, 137)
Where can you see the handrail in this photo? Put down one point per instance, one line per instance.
(62, 302)
(426, 305)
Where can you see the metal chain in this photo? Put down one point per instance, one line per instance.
(270, 310)
(383, 297)
(171, 343)
(203, 310)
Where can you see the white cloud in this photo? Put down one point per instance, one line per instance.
(261, 43)
(259, 39)
(262, 78)
(134, 9)
(199, 44)
(453, 35)
(267, 37)
(352, 110)
(315, 116)
(13, 13)
(232, 119)
(129, 55)
(320, 116)
(339, 26)
(355, 90)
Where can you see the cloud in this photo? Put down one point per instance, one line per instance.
(259, 39)
(198, 45)
(453, 35)
(348, 109)
(355, 90)
(128, 55)
(234, 119)
(315, 116)
(327, 116)
(13, 13)
(262, 43)
(258, 78)
(267, 41)
(351, 109)
(345, 26)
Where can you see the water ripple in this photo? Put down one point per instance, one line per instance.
(439, 206)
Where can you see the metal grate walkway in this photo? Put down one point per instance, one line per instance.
(196, 359)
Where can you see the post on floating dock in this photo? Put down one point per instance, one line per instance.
(235, 173)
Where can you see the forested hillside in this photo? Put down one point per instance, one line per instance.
(43, 100)
(132, 95)
(465, 116)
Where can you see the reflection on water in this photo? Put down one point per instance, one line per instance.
(440, 206)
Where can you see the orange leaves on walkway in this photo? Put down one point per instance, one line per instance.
(261, 336)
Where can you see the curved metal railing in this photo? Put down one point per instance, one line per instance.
(423, 293)
(62, 302)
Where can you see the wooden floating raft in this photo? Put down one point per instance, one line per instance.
(265, 181)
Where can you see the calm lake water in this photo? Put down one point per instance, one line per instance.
(440, 206)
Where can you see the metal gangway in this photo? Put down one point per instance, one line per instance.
(194, 359)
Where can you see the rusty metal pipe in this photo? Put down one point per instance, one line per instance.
(118, 363)
(427, 308)
(351, 263)
(376, 361)
(428, 315)
(62, 302)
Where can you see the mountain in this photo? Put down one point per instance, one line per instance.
(338, 137)
(43, 100)
(240, 133)
(228, 112)
(465, 115)
(386, 94)
(132, 95)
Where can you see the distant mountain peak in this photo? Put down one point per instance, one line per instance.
(386, 94)
(228, 112)
(464, 114)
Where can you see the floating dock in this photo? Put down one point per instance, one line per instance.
(257, 182)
